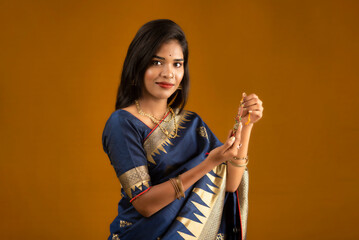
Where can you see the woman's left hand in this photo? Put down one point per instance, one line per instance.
(252, 109)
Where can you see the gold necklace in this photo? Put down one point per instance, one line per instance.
(150, 115)
(158, 122)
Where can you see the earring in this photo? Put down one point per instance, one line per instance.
(179, 87)
(173, 99)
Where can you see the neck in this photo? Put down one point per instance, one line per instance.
(156, 107)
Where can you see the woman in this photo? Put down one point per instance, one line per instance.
(177, 182)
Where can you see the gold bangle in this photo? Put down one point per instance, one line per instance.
(174, 184)
(243, 158)
(180, 186)
(238, 165)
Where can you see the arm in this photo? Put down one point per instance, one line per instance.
(163, 194)
(252, 112)
(235, 174)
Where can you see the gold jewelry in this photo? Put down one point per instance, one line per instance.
(243, 158)
(239, 165)
(236, 164)
(150, 115)
(173, 99)
(158, 122)
(174, 186)
(178, 187)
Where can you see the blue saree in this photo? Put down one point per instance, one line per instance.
(143, 157)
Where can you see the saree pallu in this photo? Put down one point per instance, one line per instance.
(143, 157)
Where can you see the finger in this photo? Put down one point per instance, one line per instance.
(251, 110)
(238, 136)
(252, 102)
(228, 144)
(250, 96)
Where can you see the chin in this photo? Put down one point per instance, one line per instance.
(163, 95)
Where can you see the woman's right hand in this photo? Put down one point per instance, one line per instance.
(228, 150)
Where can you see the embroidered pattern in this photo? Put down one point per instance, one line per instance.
(220, 236)
(136, 177)
(115, 237)
(203, 132)
(124, 223)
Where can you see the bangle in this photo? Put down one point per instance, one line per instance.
(239, 165)
(178, 187)
(243, 158)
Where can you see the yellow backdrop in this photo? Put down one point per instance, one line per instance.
(60, 68)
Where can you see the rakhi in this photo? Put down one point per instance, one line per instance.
(238, 118)
(249, 113)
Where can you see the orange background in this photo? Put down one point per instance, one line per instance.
(60, 68)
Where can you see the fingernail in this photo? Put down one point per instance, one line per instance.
(232, 139)
(244, 94)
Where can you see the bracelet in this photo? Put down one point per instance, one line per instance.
(243, 158)
(178, 187)
(239, 165)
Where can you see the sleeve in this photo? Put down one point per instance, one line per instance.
(213, 140)
(123, 144)
(206, 132)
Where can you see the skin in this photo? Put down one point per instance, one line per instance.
(154, 101)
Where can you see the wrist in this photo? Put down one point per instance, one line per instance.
(211, 162)
(248, 126)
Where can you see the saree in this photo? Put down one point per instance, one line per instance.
(143, 157)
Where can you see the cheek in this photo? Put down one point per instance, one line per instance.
(150, 74)
(180, 75)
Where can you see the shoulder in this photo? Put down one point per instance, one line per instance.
(119, 118)
(121, 127)
(121, 122)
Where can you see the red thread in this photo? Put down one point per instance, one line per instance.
(156, 126)
(140, 194)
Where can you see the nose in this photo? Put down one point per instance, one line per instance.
(167, 71)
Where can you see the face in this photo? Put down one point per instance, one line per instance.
(165, 72)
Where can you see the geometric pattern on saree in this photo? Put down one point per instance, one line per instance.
(158, 140)
(210, 213)
(135, 177)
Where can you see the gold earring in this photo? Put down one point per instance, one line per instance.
(173, 99)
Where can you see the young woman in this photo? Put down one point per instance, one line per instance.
(178, 180)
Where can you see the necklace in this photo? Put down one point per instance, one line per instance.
(150, 115)
(158, 122)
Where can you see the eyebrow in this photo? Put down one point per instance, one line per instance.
(162, 58)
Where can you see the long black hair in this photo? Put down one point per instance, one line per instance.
(143, 47)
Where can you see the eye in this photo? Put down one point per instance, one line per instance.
(156, 62)
(178, 64)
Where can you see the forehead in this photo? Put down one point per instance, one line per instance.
(172, 48)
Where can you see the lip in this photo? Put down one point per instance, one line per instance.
(165, 84)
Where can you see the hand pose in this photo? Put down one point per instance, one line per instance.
(252, 109)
